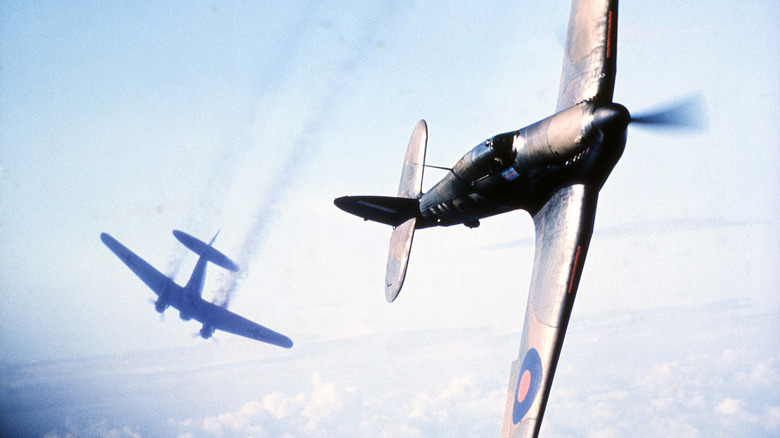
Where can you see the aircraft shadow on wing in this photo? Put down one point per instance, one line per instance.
(553, 169)
(188, 299)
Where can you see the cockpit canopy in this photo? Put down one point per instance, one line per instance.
(487, 158)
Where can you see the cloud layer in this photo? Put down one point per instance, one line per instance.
(708, 371)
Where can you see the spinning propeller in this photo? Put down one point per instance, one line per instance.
(687, 113)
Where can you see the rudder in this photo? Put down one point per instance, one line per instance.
(383, 209)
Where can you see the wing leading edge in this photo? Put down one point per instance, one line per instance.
(590, 57)
(563, 230)
(564, 225)
(153, 278)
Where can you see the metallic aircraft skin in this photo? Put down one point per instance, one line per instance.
(553, 169)
(564, 224)
(188, 299)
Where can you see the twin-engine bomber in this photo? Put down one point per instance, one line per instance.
(188, 299)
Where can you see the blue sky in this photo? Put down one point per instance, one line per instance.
(137, 119)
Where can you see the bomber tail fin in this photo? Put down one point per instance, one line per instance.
(205, 250)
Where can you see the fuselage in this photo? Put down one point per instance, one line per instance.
(520, 169)
(185, 298)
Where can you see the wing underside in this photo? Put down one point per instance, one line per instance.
(589, 62)
(563, 229)
(563, 226)
(153, 278)
(225, 320)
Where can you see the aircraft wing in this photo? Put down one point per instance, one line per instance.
(225, 320)
(146, 272)
(589, 60)
(563, 230)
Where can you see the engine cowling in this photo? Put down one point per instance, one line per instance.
(206, 331)
(568, 133)
(160, 306)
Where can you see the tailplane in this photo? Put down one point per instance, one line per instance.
(410, 187)
(401, 212)
(205, 250)
(414, 163)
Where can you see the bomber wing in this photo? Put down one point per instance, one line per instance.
(146, 272)
(220, 318)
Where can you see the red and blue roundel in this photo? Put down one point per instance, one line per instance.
(528, 383)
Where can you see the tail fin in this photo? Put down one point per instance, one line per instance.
(410, 187)
(383, 209)
(202, 249)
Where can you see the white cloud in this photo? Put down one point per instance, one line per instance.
(465, 405)
(239, 421)
(772, 420)
(462, 397)
(728, 406)
(323, 400)
(280, 406)
(297, 414)
(402, 385)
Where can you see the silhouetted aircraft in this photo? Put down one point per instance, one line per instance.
(553, 169)
(188, 299)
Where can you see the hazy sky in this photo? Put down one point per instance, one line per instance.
(136, 118)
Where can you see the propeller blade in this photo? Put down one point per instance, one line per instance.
(211, 338)
(688, 113)
(153, 302)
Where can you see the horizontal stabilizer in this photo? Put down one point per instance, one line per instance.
(205, 250)
(409, 187)
(384, 209)
(398, 258)
(414, 163)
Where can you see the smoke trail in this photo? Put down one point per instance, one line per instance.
(222, 173)
(302, 147)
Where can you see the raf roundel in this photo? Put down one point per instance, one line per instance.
(528, 383)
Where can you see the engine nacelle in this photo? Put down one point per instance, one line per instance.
(160, 306)
(184, 316)
(566, 134)
(206, 331)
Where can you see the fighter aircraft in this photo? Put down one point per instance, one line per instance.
(553, 169)
(188, 299)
